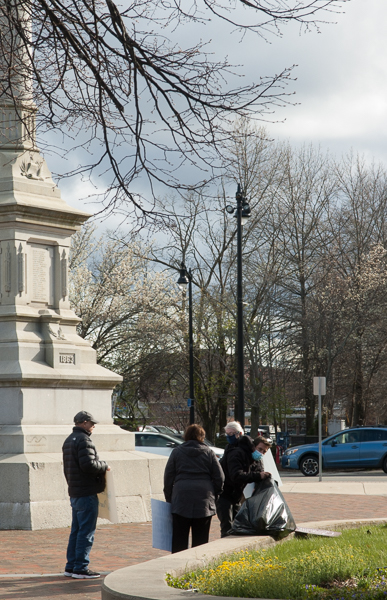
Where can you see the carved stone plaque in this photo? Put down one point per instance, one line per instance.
(36, 440)
(67, 358)
(40, 281)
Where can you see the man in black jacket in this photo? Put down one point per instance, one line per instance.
(85, 476)
(239, 469)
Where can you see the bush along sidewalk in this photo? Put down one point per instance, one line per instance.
(351, 567)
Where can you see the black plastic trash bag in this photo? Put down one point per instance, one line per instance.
(265, 513)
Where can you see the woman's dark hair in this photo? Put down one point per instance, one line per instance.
(194, 432)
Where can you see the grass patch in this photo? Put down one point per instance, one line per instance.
(350, 567)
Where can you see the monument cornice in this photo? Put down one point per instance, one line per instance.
(24, 317)
(61, 218)
(60, 380)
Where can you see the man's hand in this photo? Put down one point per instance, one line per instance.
(109, 468)
(265, 475)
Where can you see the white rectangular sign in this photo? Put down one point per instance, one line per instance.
(319, 386)
(248, 491)
(107, 508)
(271, 467)
(161, 525)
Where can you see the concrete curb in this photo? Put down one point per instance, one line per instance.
(146, 581)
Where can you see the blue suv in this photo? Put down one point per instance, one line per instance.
(356, 447)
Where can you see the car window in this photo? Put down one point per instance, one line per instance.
(161, 441)
(163, 429)
(374, 435)
(207, 442)
(346, 437)
(142, 440)
(155, 441)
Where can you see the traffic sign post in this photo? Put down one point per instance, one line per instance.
(319, 389)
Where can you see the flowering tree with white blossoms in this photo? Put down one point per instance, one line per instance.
(130, 316)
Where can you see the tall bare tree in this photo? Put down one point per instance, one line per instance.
(202, 240)
(361, 240)
(305, 199)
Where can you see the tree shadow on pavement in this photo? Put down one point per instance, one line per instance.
(44, 588)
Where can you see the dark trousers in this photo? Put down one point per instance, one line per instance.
(181, 527)
(84, 523)
(226, 511)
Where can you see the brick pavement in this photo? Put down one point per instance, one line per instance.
(116, 546)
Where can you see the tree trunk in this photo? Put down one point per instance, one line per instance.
(358, 416)
(310, 401)
(254, 420)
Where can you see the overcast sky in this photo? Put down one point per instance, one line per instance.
(341, 86)
(341, 83)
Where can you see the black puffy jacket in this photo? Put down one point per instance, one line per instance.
(193, 479)
(239, 468)
(84, 472)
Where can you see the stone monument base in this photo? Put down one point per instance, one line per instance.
(34, 491)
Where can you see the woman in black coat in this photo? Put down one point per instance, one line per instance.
(193, 479)
(240, 468)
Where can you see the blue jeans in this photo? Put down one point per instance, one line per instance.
(83, 526)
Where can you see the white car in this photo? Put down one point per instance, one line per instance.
(160, 443)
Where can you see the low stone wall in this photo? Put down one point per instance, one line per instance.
(146, 581)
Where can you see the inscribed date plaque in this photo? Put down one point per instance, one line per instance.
(66, 358)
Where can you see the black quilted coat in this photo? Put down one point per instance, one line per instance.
(192, 480)
(84, 472)
(239, 468)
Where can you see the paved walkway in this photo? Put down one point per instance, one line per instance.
(332, 486)
(32, 561)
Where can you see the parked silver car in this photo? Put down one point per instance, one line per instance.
(160, 443)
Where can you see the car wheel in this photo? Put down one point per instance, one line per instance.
(384, 465)
(309, 466)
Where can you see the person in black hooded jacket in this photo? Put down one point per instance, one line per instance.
(85, 476)
(193, 479)
(240, 468)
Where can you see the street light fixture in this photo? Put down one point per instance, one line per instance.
(242, 212)
(184, 280)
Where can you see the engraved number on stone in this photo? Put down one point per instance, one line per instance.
(68, 359)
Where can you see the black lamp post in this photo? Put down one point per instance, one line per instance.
(184, 280)
(242, 212)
